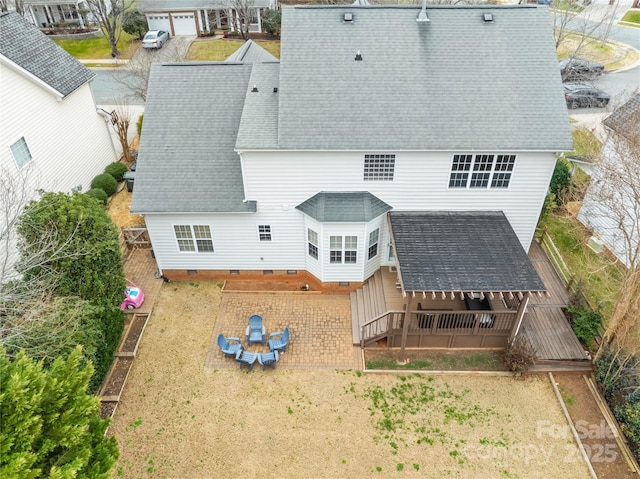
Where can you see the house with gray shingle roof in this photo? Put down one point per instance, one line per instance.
(425, 151)
(192, 17)
(611, 206)
(50, 130)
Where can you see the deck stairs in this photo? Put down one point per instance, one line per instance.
(367, 303)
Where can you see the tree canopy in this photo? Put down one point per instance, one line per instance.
(51, 427)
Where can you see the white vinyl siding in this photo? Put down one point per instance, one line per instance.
(420, 183)
(68, 141)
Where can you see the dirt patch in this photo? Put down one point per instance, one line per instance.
(606, 458)
(118, 376)
(107, 408)
(435, 360)
(133, 336)
(177, 418)
(118, 208)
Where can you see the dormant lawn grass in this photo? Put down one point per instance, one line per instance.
(178, 419)
(99, 48)
(220, 49)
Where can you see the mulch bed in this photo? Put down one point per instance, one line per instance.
(132, 339)
(107, 408)
(118, 376)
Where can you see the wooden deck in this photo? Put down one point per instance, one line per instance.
(545, 326)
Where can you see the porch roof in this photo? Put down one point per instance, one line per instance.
(349, 207)
(461, 251)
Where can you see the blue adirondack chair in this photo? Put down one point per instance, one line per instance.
(247, 357)
(278, 341)
(267, 359)
(227, 347)
(256, 331)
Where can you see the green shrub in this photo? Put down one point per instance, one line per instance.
(116, 169)
(105, 182)
(98, 194)
(139, 124)
(586, 324)
(561, 179)
(628, 414)
(617, 374)
(519, 356)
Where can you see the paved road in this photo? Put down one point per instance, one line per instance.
(109, 89)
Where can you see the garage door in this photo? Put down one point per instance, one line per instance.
(159, 22)
(183, 23)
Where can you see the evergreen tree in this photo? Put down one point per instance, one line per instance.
(51, 426)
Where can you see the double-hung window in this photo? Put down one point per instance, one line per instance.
(194, 238)
(481, 171)
(21, 153)
(343, 249)
(264, 232)
(374, 237)
(312, 243)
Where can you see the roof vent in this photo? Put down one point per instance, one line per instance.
(275, 89)
(348, 17)
(422, 16)
(254, 89)
(358, 56)
(487, 17)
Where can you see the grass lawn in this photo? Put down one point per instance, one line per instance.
(177, 418)
(220, 49)
(632, 16)
(98, 48)
(436, 361)
(585, 143)
(599, 275)
(592, 49)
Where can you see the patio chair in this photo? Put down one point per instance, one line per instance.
(256, 331)
(246, 357)
(279, 343)
(227, 347)
(266, 359)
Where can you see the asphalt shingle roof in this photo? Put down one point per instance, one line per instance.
(461, 251)
(32, 50)
(626, 119)
(186, 159)
(455, 83)
(338, 207)
(251, 52)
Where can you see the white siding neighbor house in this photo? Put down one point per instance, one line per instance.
(192, 17)
(376, 142)
(611, 207)
(51, 134)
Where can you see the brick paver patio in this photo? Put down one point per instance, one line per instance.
(320, 326)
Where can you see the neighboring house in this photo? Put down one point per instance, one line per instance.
(45, 13)
(426, 149)
(50, 130)
(192, 17)
(611, 206)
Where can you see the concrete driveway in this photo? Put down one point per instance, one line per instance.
(175, 50)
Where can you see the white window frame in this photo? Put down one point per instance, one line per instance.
(379, 167)
(343, 249)
(21, 147)
(374, 241)
(312, 243)
(264, 232)
(481, 171)
(194, 238)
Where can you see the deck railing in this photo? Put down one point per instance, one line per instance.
(444, 323)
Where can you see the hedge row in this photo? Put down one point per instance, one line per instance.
(106, 184)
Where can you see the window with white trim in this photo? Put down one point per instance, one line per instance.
(481, 171)
(264, 232)
(374, 237)
(312, 243)
(21, 153)
(379, 167)
(194, 238)
(343, 250)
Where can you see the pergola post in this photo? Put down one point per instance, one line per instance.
(405, 327)
(522, 308)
